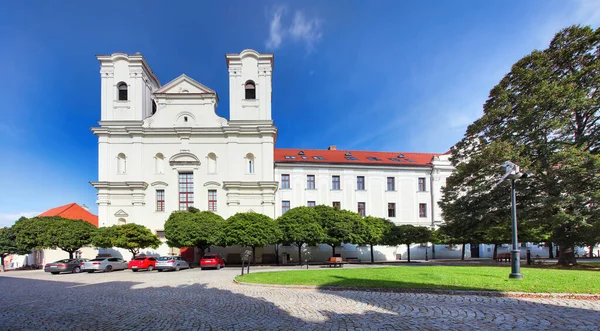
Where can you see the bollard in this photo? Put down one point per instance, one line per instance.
(242, 267)
(529, 257)
(426, 257)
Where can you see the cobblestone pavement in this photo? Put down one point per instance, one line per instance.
(208, 300)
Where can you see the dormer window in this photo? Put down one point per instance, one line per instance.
(122, 87)
(250, 90)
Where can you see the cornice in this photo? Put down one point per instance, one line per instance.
(296, 164)
(120, 185)
(115, 129)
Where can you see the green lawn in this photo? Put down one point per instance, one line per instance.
(439, 277)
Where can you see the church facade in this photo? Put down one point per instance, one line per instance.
(163, 148)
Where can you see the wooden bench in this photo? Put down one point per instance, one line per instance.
(335, 262)
(503, 257)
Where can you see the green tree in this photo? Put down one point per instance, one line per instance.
(543, 115)
(374, 232)
(252, 230)
(69, 235)
(194, 228)
(8, 244)
(299, 226)
(132, 237)
(340, 226)
(408, 235)
(32, 233)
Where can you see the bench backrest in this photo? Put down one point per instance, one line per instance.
(335, 259)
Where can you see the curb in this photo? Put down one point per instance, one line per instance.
(431, 291)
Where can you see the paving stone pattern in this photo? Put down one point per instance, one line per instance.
(209, 300)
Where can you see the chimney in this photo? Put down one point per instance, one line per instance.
(331, 148)
(85, 207)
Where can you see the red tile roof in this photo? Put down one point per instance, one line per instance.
(72, 211)
(342, 157)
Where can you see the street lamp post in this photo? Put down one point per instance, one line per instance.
(513, 172)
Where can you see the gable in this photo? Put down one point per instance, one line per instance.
(184, 85)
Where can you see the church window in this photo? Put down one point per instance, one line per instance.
(122, 91)
(186, 191)
(250, 90)
(121, 163)
(185, 118)
(160, 200)
(122, 221)
(153, 107)
(250, 160)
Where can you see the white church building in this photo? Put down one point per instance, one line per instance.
(163, 148)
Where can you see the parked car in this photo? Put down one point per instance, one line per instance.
(171, 263)
(66, 265)
(142, 262)
(212, 261)
(106, 264)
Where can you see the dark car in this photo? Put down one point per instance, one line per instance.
(212, 261)
(66, 265)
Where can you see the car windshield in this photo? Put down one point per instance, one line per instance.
(99, 259)
(209, 257)
(140, 258)
(63, 261)
(165, 258)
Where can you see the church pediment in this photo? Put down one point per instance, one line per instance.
(184, 159)
(184, 85)
(121, 213)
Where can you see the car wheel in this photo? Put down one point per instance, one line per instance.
(76, 270)
(150, 268)
(177, 267)
(108, 268)
(218, 267)
(55, 273)
(159, 270)
(134, 270)
(201, 268)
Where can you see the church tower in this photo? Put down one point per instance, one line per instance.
(250, 86)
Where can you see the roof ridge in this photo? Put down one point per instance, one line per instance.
(356, 150)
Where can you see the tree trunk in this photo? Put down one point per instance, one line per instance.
(333, 251)
(70, 255)
(202, 250)
(372, 257)
(495, 255)
(408, 250)
(591, 251)
(277, 254)
(253, 255)
(566, 256)
(2, 258)
(134, 252)
(462, 254)
(300, 254)
(550, 250)
(433, 251)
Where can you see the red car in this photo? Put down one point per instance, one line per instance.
(142, 262)
(212, 261)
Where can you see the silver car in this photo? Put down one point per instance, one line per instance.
(106, 264)
(171, 263)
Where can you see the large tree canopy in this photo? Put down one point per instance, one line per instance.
(543, 115)
(69, 235)
(373, 231)
(251, 229)
(407, 235)
(32, 233)
(299, 226)
(132, 237)
(340, 226)
(194, 228)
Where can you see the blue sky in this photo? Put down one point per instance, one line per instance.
(369, 75)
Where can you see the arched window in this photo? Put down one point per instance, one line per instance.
(212, 163)
(250, 160)
(121, 163)
(250, 90)
(153, 107)
(121, 221)
(159, 163)
(122, 87)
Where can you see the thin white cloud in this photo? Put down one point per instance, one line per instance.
(301, 29)
(306, 30)
(7, 219)
(275, 30)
